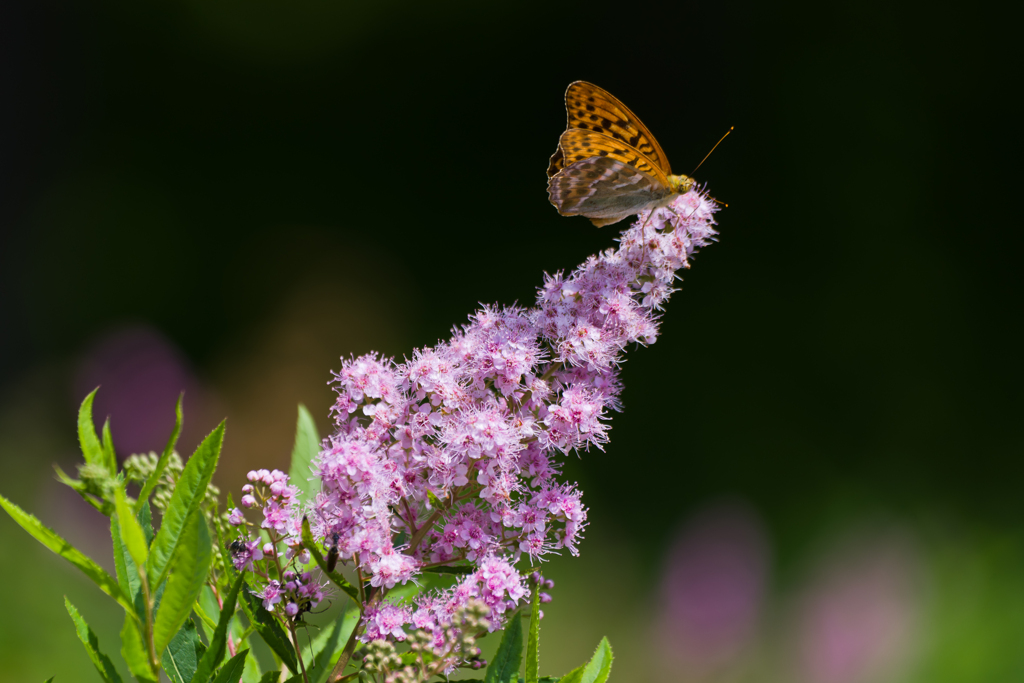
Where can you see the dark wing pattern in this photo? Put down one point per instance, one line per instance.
(576, 145)
(604, 189)
(589, 107)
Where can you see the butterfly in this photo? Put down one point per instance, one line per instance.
(608, 165)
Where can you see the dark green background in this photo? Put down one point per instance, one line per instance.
(849, 350)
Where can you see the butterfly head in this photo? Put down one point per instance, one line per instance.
(681, 183)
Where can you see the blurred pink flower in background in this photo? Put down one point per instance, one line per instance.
(857, 620)
(140, 374)
(712, 590)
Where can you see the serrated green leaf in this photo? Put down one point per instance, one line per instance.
(306, 448)
(328, 645)
(133, 649)
(145, 517)
(596, 670)
(574, 676)
(109, 457)
(314, 549)
(185, 500)
(533, 641)
(127, 571)
(504, 668)
(191, 566)
(232, 670)
(49, 538)
(600, 666)
(161, 464)
(270, 630)
(92, 450)
(121, 559)
(92, 646)
(131, 531)
(218, 643)
(180, 658)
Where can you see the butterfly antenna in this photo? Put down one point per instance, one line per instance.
(713, 149)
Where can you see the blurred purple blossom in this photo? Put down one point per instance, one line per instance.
(712, 589)
(857, 618)
(141, 373)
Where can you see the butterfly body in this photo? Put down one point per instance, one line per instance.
(608, 165)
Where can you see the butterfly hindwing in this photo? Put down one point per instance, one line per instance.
(604, 189)
(589, 107)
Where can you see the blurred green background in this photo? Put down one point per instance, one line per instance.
(816, 476)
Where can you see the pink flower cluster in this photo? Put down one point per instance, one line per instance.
(495, 583)
(453, 456)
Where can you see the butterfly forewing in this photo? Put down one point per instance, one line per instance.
(576, 145)
(592, 108)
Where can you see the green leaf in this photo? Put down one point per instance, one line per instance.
(191, 566)
(232, 671)
(403, 594)
(121, 560)
(145, 517)
(188, 495)
(251, 672)
(271, 632)
(82, 489)
(271, 677)
(206, 608)
(329, 644)
(54, 542)
(573, 676)
(131, 531)
(314, 549)
(307, 446)
(109, 457)
(180, 658)
(161, 464)
(596, 670)
(91, 448)
(49, 680)
(218, 643)
(600, 666)
(133, 649)
(504, 668)
(92, 645)
(127, 571)
(533, 641)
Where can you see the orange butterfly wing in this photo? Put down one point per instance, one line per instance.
(593, 109)
(577, 145)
